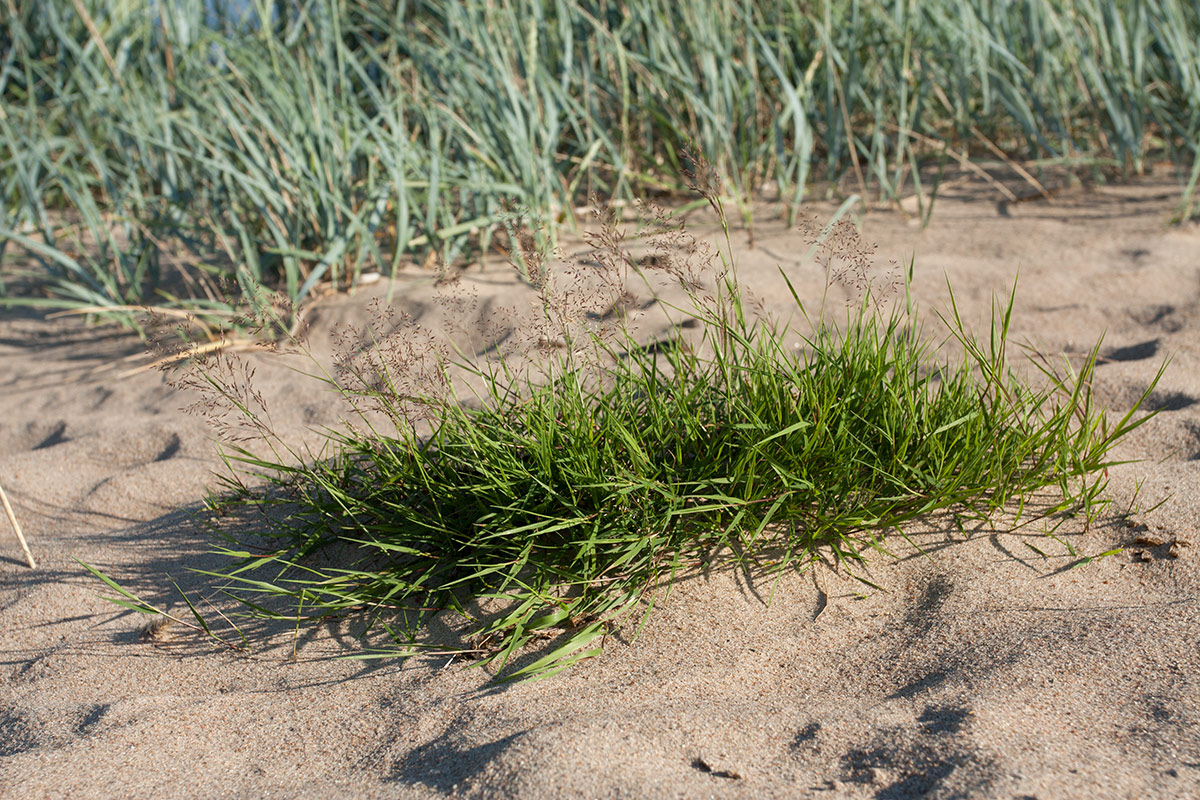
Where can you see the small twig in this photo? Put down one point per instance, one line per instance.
(181, 313)
(990, 145)
(963, 161)
(16, 527)
(230, 345)
(1013, 165)
(90, 24)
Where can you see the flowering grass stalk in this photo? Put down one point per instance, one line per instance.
(558, 500)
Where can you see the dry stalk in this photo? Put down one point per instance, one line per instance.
(17, 528)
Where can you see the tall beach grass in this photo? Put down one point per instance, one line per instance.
(172, 154)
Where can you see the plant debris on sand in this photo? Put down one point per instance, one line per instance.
(589, 470)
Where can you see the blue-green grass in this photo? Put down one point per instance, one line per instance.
(159, 153)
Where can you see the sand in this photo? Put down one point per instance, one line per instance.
(985, 670)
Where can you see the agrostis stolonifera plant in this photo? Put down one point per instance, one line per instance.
(560, 482)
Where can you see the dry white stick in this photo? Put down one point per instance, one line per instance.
(233, 345)
(20, 536)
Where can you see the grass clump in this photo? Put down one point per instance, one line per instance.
(580, 477)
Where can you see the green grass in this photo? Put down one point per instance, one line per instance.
(565, 491)
(149, 155)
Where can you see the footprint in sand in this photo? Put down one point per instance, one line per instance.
(1191, 443)
(55, 437)
(1133, 352)
(170, 449)
(931, 757)
(17, 734)
(1120, 394)
(127, 451)
(1168, 401)
(18, 438)
(1166, 318)
(151, 447)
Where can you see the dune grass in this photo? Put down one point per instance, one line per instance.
(160, 153)
(578, 480)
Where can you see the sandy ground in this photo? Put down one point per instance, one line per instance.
(985, 671)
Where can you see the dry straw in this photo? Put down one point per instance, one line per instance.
(17, 527)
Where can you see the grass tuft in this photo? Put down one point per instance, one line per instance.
(589, 470)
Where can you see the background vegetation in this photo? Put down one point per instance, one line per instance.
(166, 152)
